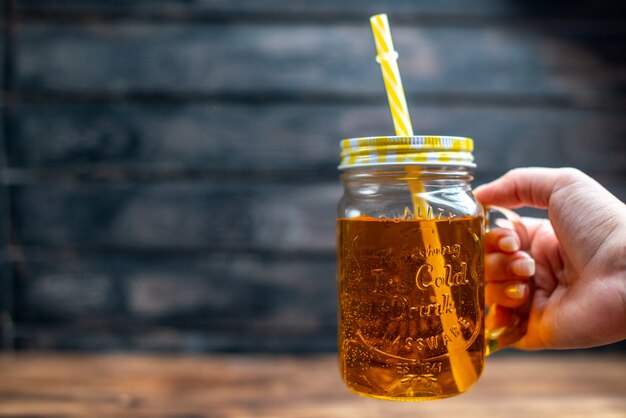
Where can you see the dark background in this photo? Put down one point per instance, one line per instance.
(168, 167)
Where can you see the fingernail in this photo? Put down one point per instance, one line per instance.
(524, 267)
(515, 291)
(508, 244)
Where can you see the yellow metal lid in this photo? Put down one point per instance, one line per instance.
(407, 150)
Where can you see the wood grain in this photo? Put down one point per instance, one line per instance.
(312, 59)
(89, 334)
(329, 9)
(298, 137)
(218, 290)
(241, 386)
(191, 215)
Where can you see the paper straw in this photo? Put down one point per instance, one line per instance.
(460, 362)
(388, 59)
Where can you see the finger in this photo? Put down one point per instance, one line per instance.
(501, 239)
(511, 294)
(512, 221)
(500, 267)
(525, 187)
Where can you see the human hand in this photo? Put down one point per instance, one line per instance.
(579, 257)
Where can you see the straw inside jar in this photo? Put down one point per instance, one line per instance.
(460, 362)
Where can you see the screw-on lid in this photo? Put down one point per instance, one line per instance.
(407, 150)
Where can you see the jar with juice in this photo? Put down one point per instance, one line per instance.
(411, 269)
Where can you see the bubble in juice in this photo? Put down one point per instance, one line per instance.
(411, 305)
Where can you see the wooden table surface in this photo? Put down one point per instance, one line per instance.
(52, 385)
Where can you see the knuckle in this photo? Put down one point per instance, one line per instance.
(571, 174)
(515, 172)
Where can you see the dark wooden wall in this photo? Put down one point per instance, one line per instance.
(168, 167)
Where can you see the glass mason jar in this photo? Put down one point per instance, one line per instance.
(410, 268)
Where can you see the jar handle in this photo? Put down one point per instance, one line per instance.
(504, 326)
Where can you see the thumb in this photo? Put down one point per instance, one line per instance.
(526, 187)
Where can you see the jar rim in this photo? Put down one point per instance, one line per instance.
(407, 150)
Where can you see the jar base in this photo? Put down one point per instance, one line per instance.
(424, 398)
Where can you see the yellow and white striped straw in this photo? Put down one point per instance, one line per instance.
(460, 362)
(388, 59)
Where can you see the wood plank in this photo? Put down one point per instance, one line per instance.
(294, 387)
(210, 290)
(179, 215)
(117, 336)
(360, 8)
(186, 216)
(314, 59)
(276, 137)
(328, 7)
